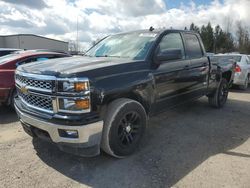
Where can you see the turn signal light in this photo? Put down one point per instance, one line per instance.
(82, 103)
(81, 86)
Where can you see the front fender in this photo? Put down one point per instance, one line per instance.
(137, 86)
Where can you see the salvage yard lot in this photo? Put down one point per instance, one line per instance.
(189, 146)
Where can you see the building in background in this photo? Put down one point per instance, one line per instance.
(30, 41)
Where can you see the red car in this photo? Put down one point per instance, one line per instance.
(8, 66)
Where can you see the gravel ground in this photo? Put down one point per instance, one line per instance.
(189, 146)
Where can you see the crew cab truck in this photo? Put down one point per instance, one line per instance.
(104, 99)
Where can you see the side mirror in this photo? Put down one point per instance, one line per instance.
(170, 54)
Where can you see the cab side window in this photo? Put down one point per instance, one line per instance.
(193, 47)
(172, 41)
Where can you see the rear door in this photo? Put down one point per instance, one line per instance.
(199, 64)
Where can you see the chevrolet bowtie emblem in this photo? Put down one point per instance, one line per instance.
(24, 89)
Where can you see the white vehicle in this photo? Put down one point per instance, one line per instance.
(242, 70)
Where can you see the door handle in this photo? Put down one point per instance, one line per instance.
(186, 67)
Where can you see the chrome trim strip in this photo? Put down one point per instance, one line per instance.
(55, 105)
(73, 94)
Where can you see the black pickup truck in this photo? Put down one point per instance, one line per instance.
(104, 99)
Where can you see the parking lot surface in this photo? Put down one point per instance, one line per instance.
(192, 145)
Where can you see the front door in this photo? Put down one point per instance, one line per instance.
(171, 77)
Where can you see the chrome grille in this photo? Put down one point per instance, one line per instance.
(37, 101)
(33, 83)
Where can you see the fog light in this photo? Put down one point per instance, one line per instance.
(68, 133)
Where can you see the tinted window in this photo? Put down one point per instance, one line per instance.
(193, 48)
(172, 41)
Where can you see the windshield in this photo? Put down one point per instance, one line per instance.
(7, 58)
(226, 58)
(131, 45)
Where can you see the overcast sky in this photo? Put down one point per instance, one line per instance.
(97, 18)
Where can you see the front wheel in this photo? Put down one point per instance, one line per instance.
(219, 98)
(124, 126)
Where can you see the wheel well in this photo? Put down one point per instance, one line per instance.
(227, 75)
(132, 96)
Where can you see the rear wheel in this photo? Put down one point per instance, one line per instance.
(219, 98)
(124, 127)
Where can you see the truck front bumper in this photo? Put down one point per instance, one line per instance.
(86, 143)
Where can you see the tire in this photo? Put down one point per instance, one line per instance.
(124, 127)
(245, 86)
(219, 98)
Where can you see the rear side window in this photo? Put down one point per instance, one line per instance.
(172, 41)
(193, 47)
(247, 60)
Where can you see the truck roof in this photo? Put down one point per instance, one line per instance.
(158, 31)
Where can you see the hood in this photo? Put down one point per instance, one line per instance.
(71, 65)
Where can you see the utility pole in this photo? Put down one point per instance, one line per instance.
(77, 35)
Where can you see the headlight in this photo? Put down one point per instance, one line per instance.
(74, 95)
(74, 104)
(73, 85)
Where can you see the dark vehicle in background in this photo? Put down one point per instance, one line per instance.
(8, 65)
(6, 51)
(103, 100)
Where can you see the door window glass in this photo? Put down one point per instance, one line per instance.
(172, 41)
(193, 47)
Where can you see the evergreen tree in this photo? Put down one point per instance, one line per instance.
(194, 28)
(207, 36)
